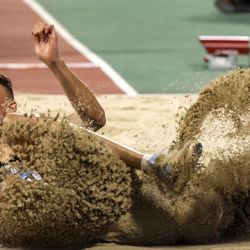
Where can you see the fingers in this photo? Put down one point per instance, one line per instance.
(46, 29)
(42, 31)
(37, 38)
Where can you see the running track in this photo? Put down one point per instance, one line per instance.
(18, 61)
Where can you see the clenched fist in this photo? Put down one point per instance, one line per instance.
(46, 46)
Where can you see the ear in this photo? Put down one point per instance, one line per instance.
(12, 106)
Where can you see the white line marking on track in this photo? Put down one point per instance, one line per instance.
(82, 49)
(73, 65)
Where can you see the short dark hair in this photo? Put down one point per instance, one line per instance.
(6, 83)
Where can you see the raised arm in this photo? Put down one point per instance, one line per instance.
(80, 96)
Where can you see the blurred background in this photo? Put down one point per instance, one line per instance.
(152, 44)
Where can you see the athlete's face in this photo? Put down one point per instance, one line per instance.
(6, 103)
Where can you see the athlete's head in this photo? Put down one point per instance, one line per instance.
(7, 102)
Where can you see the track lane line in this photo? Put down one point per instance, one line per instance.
(24, 66)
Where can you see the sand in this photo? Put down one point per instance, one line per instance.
(82, 187)
(208, 199)
(146, 123)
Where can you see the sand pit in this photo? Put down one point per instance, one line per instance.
(128, 121)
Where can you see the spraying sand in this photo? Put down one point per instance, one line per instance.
(83, 188)
(209, 201)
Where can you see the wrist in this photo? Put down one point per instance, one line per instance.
(53, 63)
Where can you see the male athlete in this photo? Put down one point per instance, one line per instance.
(91, 113)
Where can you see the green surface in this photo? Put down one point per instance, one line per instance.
(153, 44)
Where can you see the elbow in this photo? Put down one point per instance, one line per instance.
(101, 121)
